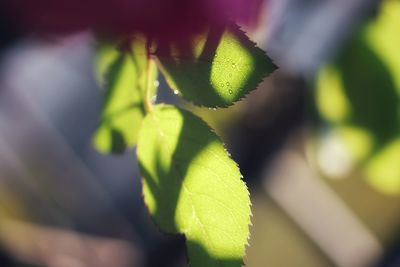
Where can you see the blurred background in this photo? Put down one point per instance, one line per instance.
(318, 144)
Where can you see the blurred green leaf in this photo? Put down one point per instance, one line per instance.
(370, 90)
(383, 170)
(217, 68)
(107, 54)
(192, 187)
(331, 100)
(383, 36)
(358, 97)
(122, 71)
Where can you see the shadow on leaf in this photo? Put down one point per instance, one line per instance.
(215, 69)
(189, 191)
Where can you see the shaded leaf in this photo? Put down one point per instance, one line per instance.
(123, 74)
(217, 68)
(192, 187)
(370, 89)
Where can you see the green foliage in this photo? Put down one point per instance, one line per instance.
(215, 69)
(122, 72)
(383, 169)
(358, 98)
(190, 184)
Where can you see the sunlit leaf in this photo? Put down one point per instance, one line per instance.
(217, 68)
(192, 187)
(107, 54)
(123, 73)
(330, 97)
(383, 35)
(383, 170)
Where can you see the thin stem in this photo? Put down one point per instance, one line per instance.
(150, 64)
(148, 105)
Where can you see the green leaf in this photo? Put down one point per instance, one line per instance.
(373, 96)
(358, 98)
(123, 73)
(216, 69)
(192, 187)
(383, 169)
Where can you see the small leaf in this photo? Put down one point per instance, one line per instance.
(106, 55)
(125, 80)
(217, 68)
(192, 187)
